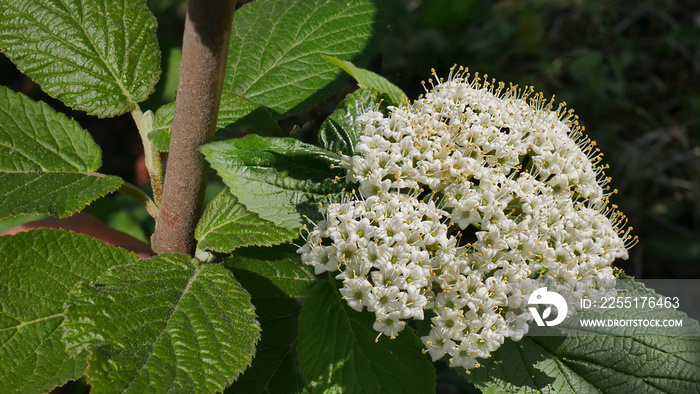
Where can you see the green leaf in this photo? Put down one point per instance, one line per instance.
(37, 270)
(273, 56)
(165, 324)
(337, 350)
(369, 80)
(47, 161)
(581, 363)
(98, 56)
(56, 193)
(280, 179)
(238, 116)
(277, 281)
(226, 225)
(281, 265)
(337, 133)
(162, 122)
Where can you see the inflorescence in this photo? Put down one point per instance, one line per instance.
(467, 201)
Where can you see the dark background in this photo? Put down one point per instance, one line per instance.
(630, 70)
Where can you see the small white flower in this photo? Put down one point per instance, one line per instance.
(517, 325)
(389, 324)
(357, 293)
(480, 345)
(461, 356)
(438, 343)
(451, 321)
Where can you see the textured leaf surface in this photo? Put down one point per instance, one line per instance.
(277, 280)
(165, 324)
(238, 116)
(162, 122)
(337, 350)
(98, 56)
(37, 270)
(226, 225)
(56, 193)
(47, 161)
(274, 55)
(580, 364)
(337, 132)
(278, 178)
(369, 80)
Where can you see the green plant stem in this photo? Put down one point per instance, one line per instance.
(144, 122)
(204, 50)
(139, 195)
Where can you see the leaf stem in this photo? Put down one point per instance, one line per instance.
(204, 51)
(144, 122)
(139, 195)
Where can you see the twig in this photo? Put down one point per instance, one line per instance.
(140, 196)
(144, 123)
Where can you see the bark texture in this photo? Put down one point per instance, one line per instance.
(204, 50)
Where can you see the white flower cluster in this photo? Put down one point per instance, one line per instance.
(388, 250)
(469, 200)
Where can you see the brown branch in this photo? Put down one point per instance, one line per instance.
(204, 50)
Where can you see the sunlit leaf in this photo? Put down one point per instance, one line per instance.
(226, 225)
(274, 55)
(47, 161)
(369, 80)
(98, 56)
(280, 179)
(37, 270)
(164, 324)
